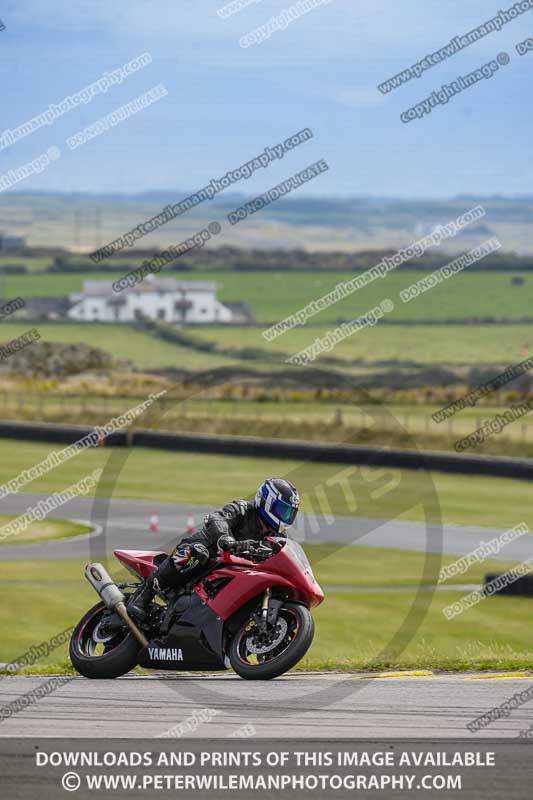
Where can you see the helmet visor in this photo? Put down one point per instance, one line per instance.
(284, 511)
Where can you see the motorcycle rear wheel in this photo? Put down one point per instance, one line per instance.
(119, 654)
(254, 657)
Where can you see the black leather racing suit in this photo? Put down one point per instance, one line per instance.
(235, 522)
(238, 520)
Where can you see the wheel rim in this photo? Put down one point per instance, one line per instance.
(91, 643)
(255, 649)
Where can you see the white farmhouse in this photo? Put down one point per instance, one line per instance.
(164, 299)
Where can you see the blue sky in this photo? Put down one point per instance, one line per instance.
(226, 103)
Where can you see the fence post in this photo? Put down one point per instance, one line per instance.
(450, 428)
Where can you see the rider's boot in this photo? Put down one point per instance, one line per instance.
(164, 578)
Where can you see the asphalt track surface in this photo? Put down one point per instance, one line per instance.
(125, 524)
(299, 706)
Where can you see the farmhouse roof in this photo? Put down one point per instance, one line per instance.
(105, 288)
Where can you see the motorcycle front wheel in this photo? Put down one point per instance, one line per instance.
(255, 655)
(97, 656)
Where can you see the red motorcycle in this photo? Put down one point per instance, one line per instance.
(253, 617)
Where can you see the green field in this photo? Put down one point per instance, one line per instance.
(46, 285)
(353, 629)
(33, 263)
(453, 345)
(123, 343)
(425, 344)
(275, 295)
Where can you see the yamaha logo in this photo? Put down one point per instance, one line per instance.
(165, 653)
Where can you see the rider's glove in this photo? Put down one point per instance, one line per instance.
(248, 547)
(227, 543)
(252, 548)
(200, 552)
(239, 548)
(261, 552)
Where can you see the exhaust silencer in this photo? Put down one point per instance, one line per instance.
(107, 589)
(103, 583)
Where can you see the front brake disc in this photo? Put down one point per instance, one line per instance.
(281, 630)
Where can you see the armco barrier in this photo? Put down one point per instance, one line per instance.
(57, 434)
(495, 466)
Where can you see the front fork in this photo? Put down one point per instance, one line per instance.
(267, 594)
(270, 608)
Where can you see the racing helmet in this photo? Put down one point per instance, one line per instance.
(277, 503)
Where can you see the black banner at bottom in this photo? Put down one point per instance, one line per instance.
(264, 768)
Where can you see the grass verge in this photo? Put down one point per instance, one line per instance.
(43, 530)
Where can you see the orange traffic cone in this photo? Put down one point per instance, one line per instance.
(154, 522)
(190, 523)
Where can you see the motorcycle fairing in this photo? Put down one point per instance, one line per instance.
(203, 617)
(183, 648)
(140, 562)
(244, 585)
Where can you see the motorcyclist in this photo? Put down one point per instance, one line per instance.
(240, 527)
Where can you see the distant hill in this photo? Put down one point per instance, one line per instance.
(84, 221)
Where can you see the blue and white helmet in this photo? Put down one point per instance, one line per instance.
(277, 503)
